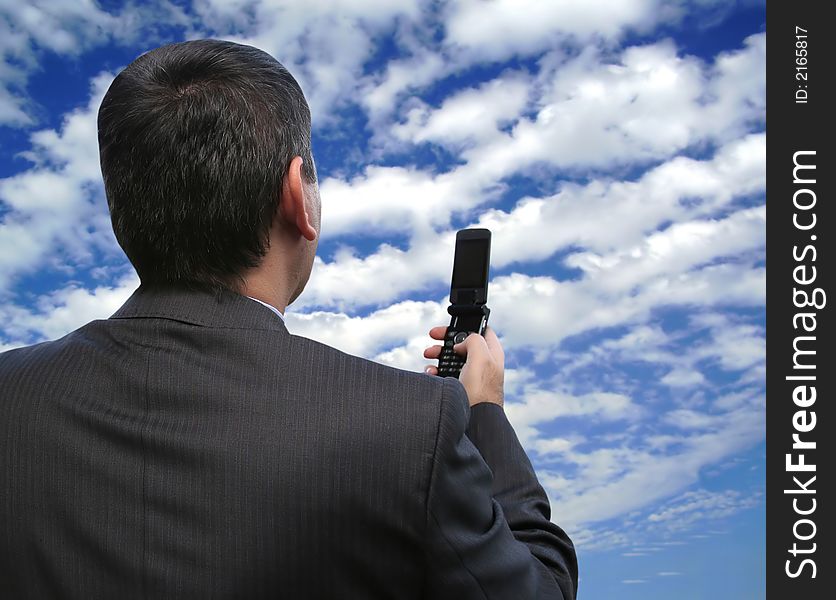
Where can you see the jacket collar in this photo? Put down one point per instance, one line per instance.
(200, 307)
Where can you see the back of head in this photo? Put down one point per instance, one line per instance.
(194, 140)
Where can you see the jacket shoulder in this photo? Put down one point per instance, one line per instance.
(23, 358)
(344, 368)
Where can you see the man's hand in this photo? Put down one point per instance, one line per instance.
(483, 374)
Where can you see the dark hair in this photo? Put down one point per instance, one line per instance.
(194, 141)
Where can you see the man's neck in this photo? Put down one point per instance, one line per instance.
(267, 283)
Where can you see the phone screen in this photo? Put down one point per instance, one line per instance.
(470, 268)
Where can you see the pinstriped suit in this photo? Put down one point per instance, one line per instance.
(191, 447)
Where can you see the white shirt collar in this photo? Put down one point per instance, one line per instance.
(271, 307)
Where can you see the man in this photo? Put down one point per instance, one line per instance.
(191, 447)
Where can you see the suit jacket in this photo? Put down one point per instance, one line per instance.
(191, 447)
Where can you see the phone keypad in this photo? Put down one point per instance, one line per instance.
(450, 364)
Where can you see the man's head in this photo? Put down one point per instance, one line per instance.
(201, 143)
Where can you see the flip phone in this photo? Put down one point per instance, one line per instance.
(468, 296)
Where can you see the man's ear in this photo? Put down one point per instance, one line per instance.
(292, 204)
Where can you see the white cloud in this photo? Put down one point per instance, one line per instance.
(702, 505)
(597, 110)
(737, 89)
(678, 249)
(690, 419)
(57, 208)
(386, 273)
(508, 27)
(534, 312)
(57, 313)
(324, 44)
(470, 116)
(27, 29)
(540, 310)
(733, 400)
(380, 92)
(64, 27)
(601, 215)
(683, 377)
(612, 482)
(625, 211)
(711, 339)
(553, 446)
(538, 407)
(645, 342)
(387, 199)
(734, 346)
(393, 199)
(372, 334)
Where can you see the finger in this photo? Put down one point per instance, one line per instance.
(438, 333)
(493, 344)
(431, 370)
(432, 352)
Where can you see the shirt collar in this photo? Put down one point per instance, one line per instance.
(270, 306)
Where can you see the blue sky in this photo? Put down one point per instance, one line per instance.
(615, 149)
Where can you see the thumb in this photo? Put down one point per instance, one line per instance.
(494, 346)
(474, 346)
